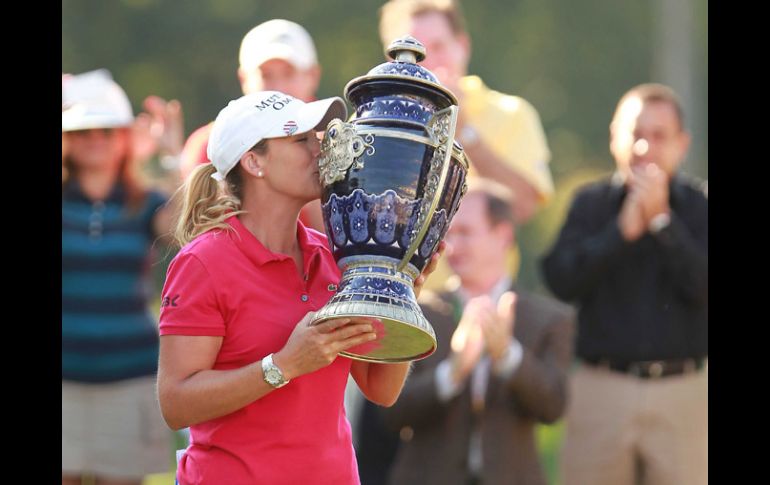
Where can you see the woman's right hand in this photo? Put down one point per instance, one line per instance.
(310, 348)
(158, 130)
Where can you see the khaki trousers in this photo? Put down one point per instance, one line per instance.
(113, 430)
(625, 430)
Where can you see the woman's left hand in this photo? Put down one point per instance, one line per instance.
(429, 268)
(159, 129)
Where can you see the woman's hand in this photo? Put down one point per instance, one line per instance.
(159, 129)
(310, 348)
(429, 268)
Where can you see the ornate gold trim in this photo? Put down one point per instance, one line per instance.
(441, 128)
(342, 148)
(391, 133)
(359, 261)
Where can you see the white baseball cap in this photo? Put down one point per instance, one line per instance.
(93, 100)
(246, 121)
(277, 39)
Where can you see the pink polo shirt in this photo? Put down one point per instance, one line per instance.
(226, 283)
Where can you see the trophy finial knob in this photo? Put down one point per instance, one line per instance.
(406, 49)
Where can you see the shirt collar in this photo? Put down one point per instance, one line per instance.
(472, 84)
(474, 93)
(503, 284)
(72, 192)
(676, 190)
(259, 254)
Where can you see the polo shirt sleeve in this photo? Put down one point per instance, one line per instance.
(189, 304)
(523, 146)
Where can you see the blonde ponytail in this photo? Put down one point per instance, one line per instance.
(205, 204)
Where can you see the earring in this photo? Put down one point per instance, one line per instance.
(260, 174)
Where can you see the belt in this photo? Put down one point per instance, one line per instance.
(651, 368)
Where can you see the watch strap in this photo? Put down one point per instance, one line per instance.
(269, 368)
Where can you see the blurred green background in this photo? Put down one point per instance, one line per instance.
(571, 59)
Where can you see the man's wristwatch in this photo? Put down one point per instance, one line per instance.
(272, 373)
(659, 222)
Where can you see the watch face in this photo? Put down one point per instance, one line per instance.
(273, 377)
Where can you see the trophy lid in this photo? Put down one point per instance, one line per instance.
(406, 52)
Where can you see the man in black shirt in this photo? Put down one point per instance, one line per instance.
(633, 256)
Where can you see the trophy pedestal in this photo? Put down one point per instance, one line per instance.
(375, 289)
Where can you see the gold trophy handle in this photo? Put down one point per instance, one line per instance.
(441, 129)
(341, 148)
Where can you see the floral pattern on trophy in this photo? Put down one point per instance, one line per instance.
(395, 108)
(377, 221)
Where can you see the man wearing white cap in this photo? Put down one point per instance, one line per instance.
(279, 55)
(275, 55)
(260, 389)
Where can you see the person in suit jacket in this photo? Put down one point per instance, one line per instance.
(467, 414)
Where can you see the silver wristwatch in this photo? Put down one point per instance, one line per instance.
(272, 373)
(659, 222)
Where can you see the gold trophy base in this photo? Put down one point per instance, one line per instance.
(387, 295)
